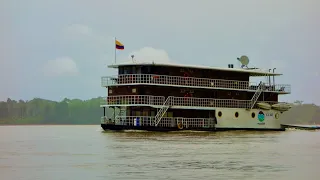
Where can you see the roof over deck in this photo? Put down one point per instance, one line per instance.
(251, 72)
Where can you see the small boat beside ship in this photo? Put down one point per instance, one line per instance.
(263, 105)
(281, 106)
(278, 106)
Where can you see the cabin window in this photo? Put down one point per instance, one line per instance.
(120, 70)
(145, 113)
(134, 70)
(127, 70)
(110, 91)
(253, 115)
(134, 90)
(219, 113)
(236, 114)
(145, 70)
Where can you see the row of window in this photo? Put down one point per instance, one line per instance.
(236, 114)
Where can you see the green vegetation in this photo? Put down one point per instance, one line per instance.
(76, 111)
(41, 111)
(304, 114)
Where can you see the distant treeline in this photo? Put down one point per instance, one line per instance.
(307, 114)
(41, 111)
(76, 111)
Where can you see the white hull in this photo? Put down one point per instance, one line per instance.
(269, 119)
(247, 119)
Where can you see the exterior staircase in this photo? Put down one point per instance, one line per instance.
(257, 94)
(162, 110)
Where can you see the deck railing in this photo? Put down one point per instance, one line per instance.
(165, 121)
(176, 101)
(134, 100)
(145, 100)
(188, 81)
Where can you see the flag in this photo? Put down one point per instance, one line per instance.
(119, 45)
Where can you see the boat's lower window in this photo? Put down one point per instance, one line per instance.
(253, 115)
(236, 114)
(219, 113)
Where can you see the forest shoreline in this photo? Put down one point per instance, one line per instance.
(88, 112)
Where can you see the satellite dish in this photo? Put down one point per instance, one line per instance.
(244, 60)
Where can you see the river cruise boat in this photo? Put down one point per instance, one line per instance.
(171, 97)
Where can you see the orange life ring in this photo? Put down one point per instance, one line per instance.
(179, 125)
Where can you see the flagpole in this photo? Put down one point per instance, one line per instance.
(115, 50)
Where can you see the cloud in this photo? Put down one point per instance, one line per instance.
(63, 66)
(149, 54)
(79, 29)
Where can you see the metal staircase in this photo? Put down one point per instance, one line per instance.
(162, 110)
(256, 94)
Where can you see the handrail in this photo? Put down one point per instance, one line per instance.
(176, 101)
(165, 122)
(189, 81)
(256, 95)
(163, 110)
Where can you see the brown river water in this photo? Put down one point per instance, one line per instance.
(86, 152)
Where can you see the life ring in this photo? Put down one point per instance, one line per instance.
(179, 125)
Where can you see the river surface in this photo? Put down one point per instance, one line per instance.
(87, 153)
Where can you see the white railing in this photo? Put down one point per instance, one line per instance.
(280, 88)
(188, 81)
(130, 100)
(133, 100)
(106, 120)
(176, 101)
(165, 121)
(210, 102)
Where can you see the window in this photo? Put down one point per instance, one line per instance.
(110, 91)
(253, 115)
(120, 70)
(236, 114)
(134, 90)
(219, 113)
(127, 70)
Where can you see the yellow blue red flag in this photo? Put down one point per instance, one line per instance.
(119, 45)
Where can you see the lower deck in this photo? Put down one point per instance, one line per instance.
(113, 127)
(219, 118)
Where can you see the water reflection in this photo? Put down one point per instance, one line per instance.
(82, 152)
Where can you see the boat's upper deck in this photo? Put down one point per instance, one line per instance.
(175, 75)
(183, 67)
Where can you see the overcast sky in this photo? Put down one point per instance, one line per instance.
(56, 48)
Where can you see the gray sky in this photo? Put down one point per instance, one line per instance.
(56, 49)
